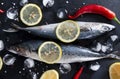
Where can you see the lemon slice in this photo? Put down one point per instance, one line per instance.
(1, 63)
(114, 71)
(31, 14)
(50, 74)
(50, 52)
(68, 31)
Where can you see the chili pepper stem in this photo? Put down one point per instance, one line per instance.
(116, 19)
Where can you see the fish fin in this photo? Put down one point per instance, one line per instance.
(115, 55)
(10, 30)
(16, 26)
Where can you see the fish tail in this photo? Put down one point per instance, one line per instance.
(115, 55)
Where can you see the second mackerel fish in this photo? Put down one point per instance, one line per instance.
(88, 30)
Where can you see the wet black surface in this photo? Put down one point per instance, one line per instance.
(49, 16)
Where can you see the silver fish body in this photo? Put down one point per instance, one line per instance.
(71, 53)
(88, 30)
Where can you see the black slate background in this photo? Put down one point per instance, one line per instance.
(49, 16)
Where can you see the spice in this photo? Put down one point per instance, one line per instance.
(1, 11)
(78, 74)
(96, 9)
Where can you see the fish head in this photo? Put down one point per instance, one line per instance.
(106, 28)
(17, 50)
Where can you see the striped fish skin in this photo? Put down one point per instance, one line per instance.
(88, 30)
(71, 53)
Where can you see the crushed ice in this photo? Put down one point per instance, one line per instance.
(114, 37)
(107, 48)
(98, 47)
(12, 13)
(23, 2)
(95, 66)
(9, 59)
(48, 3)
(29, 63)
(65, 68)
(61, 13)
(1, 45)
(104, 48)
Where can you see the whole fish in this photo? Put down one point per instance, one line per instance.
(71, 53)
(88, 30)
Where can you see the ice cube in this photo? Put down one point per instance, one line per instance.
(29, 63)
(32, 75)
(23, 2)
(12, 13)
(95, 66)
(61, 13)
(98, 47)
(114, 37)
(9, 59)
(1, 45)
(48, 3)
(104, 48)
(65, 68)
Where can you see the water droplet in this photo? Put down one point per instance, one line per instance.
(30, 70)
(20, 72)
(48, 3)
(95, 66)
(114, 37)
(5, 71)
(83, 3)
(38, 73)
(23, 69)
(2, 3)
(62, 13)
(23, 2)
(65, 68)
(9, 59)
(1, 45)
(29, 63)
(67, 2)
(12, 13)
(13, 3)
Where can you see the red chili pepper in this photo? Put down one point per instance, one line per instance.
(97, 9)
(1, 11)
(78, 74)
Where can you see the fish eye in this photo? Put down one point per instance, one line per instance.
(105, 28)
